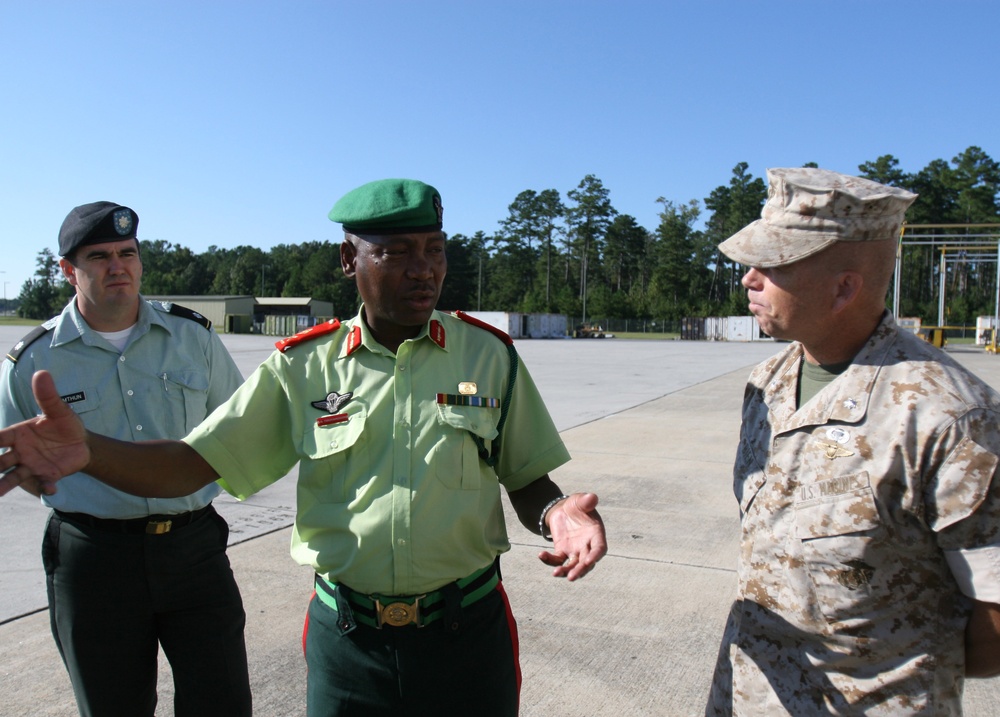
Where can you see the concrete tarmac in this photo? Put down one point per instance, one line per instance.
(652, 427)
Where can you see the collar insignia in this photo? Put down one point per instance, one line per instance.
(437, 333)
(353, 340)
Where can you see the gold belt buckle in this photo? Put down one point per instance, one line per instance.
(158, 527)
(399, 614)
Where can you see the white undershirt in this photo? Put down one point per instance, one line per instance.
(118, 339)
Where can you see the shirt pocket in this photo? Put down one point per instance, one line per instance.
(841, 538)
(963, 482)
(86, 403)
(338, 458)
(187, 394)
(455, 457)
(83, 401)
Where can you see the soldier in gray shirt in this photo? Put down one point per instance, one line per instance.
(869, 567)
(126, 575)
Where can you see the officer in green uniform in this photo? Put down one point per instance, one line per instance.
(405, 422)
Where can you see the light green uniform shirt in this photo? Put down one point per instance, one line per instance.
(393, 497)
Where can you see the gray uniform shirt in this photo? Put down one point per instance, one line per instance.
(169, 377)
(845, 602)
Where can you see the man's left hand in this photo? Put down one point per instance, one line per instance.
(578, 537)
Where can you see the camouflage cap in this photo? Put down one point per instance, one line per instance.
(95, 223)
(809, 209)
(390, 206)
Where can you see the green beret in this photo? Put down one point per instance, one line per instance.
(96, 223)
(390, 206)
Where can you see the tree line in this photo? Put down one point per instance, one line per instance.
(575, 254)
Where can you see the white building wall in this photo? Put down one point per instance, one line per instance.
(524, 326)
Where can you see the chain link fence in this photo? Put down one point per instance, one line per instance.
(627, 326)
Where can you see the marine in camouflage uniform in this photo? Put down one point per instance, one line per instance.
(858, 505)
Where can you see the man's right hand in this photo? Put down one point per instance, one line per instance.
(43, 449)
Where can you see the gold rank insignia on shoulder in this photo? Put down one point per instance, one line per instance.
(468, 388)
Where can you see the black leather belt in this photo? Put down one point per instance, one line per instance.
(150, 525)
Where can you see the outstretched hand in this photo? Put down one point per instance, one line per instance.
(43, 449)
(578, 537)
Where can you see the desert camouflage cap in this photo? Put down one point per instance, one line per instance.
(809, 209)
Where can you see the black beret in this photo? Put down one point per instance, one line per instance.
(96, 223)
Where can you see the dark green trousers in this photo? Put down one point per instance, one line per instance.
(113, 598)
(438, 670)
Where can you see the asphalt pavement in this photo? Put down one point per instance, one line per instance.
(652, 427)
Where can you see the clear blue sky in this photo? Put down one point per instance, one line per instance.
(227, 123)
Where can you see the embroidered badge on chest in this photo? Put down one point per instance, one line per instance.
(332, 404)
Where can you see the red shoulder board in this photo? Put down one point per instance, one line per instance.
(483, 325)
(318, 330)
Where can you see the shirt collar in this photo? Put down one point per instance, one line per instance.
(846, 398)
(71, 326)
(359, 335)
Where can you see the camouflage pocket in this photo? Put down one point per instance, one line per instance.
(962, 484)
(840, 536)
